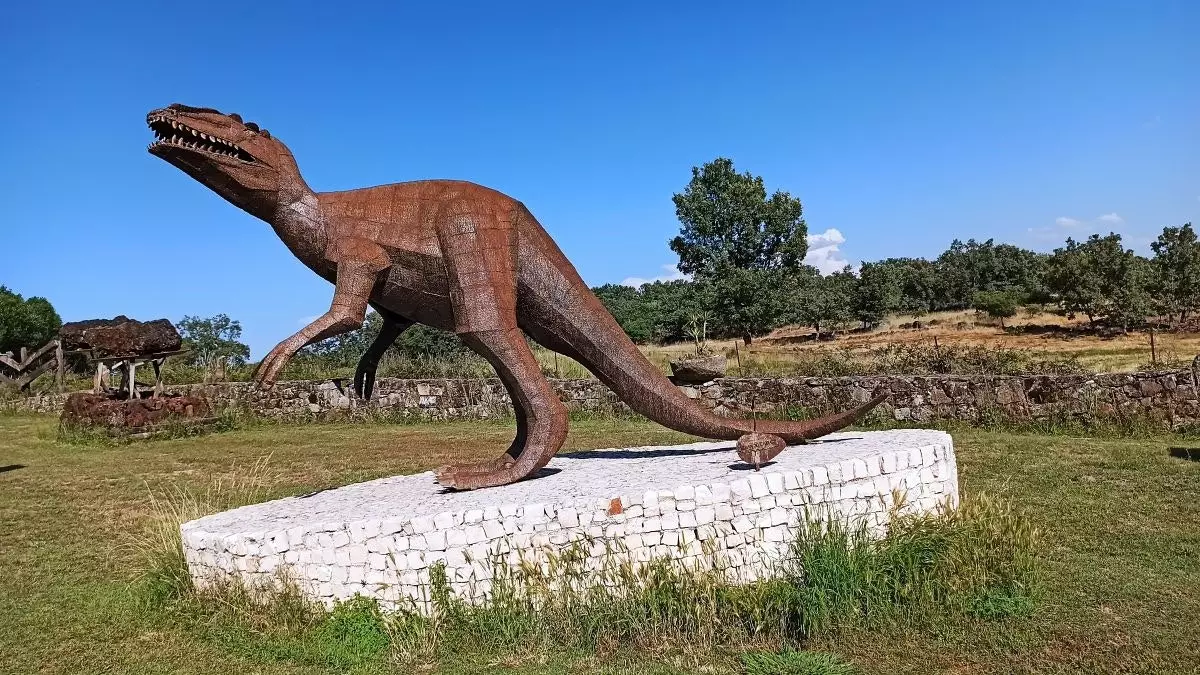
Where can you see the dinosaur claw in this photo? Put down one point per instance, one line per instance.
(449, 477)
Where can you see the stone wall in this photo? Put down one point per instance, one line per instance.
(1170, 397)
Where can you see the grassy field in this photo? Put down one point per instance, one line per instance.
(1120, 518)
(1027, 333)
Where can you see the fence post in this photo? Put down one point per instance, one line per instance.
(60, 373)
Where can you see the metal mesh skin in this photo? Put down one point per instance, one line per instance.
(453, 255)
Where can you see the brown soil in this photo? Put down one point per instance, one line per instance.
(86, 409)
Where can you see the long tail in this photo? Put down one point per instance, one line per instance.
(562, 314)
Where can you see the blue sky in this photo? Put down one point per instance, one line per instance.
(899, 129)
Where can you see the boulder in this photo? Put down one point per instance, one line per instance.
(120, 336)
(697, 369)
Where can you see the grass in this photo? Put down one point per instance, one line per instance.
(1118, 590)
(790, 662)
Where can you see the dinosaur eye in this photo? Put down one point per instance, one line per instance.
(252, 126)
(235, 117)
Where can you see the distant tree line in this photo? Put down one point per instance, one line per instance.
(745, 252)
(1097, 278)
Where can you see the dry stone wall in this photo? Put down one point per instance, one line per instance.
(1170, 397)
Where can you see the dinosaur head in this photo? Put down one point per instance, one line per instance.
(236, 159)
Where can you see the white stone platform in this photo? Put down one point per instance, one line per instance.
(696, 503)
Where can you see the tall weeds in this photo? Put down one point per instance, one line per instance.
(162, 574)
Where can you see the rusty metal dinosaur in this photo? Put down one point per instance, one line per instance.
(450, 254)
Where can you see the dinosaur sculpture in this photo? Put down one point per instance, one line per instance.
(453, 255)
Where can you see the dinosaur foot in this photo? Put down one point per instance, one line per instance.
(477, 474)
(757, 449)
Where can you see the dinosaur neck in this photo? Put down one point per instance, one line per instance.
(299, 222)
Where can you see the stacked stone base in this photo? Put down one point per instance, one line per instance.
(596, 514)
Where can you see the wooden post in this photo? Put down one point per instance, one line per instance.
(131, 368)
(24, 355)
(1153, 350)
(158, 385)
(738, 354)
(60, 373)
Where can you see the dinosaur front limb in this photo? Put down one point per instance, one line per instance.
(364, 375)
(346, 313)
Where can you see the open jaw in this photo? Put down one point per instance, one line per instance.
(173, 132)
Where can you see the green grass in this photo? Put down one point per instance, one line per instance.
(790, 662)
(1117, 587)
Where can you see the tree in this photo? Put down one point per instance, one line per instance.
(748, 302)
(1176, 272)
(429, 342)
(915, 284)
(966, 269)
(214, 344)
(671, 305)
(743, 242)
(998, 304)
(629, 307)
(875, 294)
(1100, 279)
(28, 323)
(827, 301)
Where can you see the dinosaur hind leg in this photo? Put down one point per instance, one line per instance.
(543, 416)
(364, 375)
(518, 444)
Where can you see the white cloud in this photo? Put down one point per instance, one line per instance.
(671, 273)
(824, 252)
(1106, 222)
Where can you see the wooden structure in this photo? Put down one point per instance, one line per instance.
(21, 370)
(127, 366)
